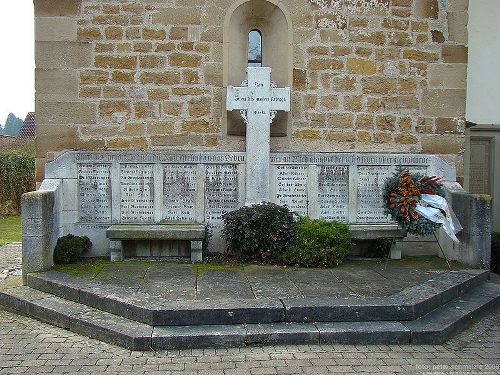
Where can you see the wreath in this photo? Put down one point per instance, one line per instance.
(402, 194)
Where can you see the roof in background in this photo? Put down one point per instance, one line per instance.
(28, 130)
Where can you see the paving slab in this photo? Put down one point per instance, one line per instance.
(271, 282)
(318, 283)
(124, 274)
(170, 281)
(223, 284)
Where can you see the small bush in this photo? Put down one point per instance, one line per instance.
(318, 243)
(495, 252)
(69, 248)
(258, 232)
(379, 248)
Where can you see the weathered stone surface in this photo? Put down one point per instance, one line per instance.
(361, 66)
(449, 76)
(440, 144)
(62, 55)
(55, 29)
(440, 324)
(57, 85)
(115, 62)
(56, 8)
(364, 333)
(52, 112)
(281, 334)
(112, 329)
(454, 53)
(178, 16)
(427, 9)
(457, 26)
(198, 337)
(164, 78)
(443, 103)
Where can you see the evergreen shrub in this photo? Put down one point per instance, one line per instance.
(258, 232)
(318, 243)
(379, 248)
(69, 248)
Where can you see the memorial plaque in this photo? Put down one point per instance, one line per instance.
(480, 170)
(333, 193)
(221, 190)
(179, 192)
(291, 187)
(371, 182)
(137, 193)
(94, 187)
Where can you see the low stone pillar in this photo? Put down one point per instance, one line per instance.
(116, 251)
(37, 231)
(196, 251)
(474, 211)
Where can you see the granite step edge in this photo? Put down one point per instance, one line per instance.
(123, 332)
(77, 318)
(153, 310)
(407, 305)
(455, 316)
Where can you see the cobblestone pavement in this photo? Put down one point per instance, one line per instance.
(10, 260)
(30, 347)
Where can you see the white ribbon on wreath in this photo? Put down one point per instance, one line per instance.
(435, 208)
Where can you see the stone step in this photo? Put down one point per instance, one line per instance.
(434, 327)
(444, 322)
(145, 308)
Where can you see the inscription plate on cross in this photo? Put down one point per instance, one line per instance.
(258, 99)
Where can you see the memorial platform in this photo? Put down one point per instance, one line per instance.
(152, 305)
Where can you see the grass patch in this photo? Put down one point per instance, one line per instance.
(201, 268)
(10, 229)
(87, 269)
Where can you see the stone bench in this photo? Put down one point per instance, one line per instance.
(378, 231)
(130, 232)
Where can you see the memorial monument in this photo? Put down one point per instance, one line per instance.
(139, 110)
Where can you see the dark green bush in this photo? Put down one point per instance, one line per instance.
(258, 232)
(378, 248)
(495, 252)
(318, 243)
(69, 248)
(17, 176)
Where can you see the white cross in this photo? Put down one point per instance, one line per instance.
(258, 100)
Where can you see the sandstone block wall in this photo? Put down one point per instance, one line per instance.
(148, 74)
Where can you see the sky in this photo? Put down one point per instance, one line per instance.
(17, 60)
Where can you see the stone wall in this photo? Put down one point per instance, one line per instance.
(149, 75)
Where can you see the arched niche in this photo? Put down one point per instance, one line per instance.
(274, 24)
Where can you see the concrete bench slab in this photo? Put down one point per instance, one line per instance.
(130, 232)
(374, 231)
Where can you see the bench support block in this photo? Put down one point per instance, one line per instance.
(116, 251)
(196, 251)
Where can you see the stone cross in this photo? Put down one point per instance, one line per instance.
(258, 100)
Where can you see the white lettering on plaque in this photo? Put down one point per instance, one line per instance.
(137, 193)
(371, 182)
(179, 192)
(291, 187)
(221, 190)
(333, 193)
(94, 186)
